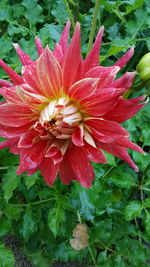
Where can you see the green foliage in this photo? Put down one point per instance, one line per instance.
(116, 208)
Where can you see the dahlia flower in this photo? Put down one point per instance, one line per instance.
(62, 111)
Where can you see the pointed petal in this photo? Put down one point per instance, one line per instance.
(106, 131)
(124, 81)
(5, 83)
(83, 88)
(16, 79)
(72, 63)
(4, 144)
(81, 166)
(66, 171)
(94, 154)
(117, 151)
(127, 143)
(39, 45)
(49, 74)
(15, 115)
(49, 170)
(64, 37)
(57, 53)
(125, 109)
(102, 101)
(31, 157)
(92, 59)
(9, 93)
(27, 139)
(77, 136)
(121, 62)
(24, 58)
(12, 132)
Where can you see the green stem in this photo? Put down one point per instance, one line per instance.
(97, 4)
(92, 256)
(69, 13)
(32, 203)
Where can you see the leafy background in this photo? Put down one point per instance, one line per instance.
(117, 207)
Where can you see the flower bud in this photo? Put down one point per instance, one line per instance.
(143, 68)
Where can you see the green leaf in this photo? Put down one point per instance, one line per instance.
(10, 181)
(133, 209)
(112, 51)
(55, 217)
(122, 179)
(6, 257)
(31, 180)
(29, 225)
(5, 226)
(147, 223)
(33, 12)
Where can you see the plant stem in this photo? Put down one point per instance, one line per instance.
(32, 203)
(97, 4)
(69, 13)
(92, 256)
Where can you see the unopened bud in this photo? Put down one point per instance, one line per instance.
(143, 68)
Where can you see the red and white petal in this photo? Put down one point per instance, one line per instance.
(77, 136)
(5, 83)
(64, 38)
(49, 170)
(121, 62)
(31, 157)
(118, 151)
(127, 143)
(15, 115)
(125, 109)
(39, 45)
(106, 131)
(102, 101)
(24, 58)
(49, 74)
(92, 59)
(124, 81)
(27, 139)
(16, 79)
(81, 166)
(72, 65)
(12, 132)
(83, 88)
(94, 154)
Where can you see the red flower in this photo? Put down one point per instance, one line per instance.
(63, 111)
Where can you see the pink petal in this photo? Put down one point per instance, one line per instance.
(81, 166)
(66, 171)
(72, 63)
(11, 132)
(99, 72)
(121, 62)
(118, 151)
(31, 157)
(49, 74)
(92, 59)
(77, 136)
(125, 109)
(102, 101)
(94, 154)
(106, 131)
(27, 139)
(11, 73)
(15, 115)
(57, 53)
(64, 38)
(49, 170)
(24, 58)
(5, 83)
(9, 93)
(127, 143)
(124, 81)
(4, 144)
(83, 88)
(39, 45)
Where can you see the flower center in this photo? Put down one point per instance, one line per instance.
(59, 117)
